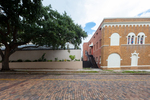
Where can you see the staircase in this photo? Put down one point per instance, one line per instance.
(92, 60)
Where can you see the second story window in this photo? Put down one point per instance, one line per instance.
(141, 38)
(138, 41)
(97, 45)
(128, 39)
(131, 38)
(100, 43)
(115, 39)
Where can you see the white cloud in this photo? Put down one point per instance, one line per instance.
(85, 40)
(145, 15)
(84, 11)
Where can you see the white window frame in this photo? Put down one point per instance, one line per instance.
(131, 34)
(96, 60)
(132, 54)
(99, 59)
(117, 44)
(140, 35)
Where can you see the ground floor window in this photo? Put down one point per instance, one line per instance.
(99, 59)
(113, 60)
(134, 59)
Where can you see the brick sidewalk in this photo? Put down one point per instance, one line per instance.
(74, 87)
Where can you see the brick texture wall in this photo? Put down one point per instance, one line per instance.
(125, 50)
(102, 37)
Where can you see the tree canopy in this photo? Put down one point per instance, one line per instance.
(25, 21)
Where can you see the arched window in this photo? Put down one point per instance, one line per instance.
(131, 38)
(134, 59)
(141, 38)
(138, 41)
(115, 39)
(128, 39)
(114, 60)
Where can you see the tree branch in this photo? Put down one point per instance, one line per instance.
(15, 49)
(21, 9)
(4, 42)
(1, 53)
(1, 32)
(14, 34)
(8, 28)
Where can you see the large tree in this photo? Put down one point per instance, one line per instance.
(25, 21)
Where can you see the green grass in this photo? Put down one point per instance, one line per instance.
(87, 72)
(86, 68)
(108, 70)
(135, 72)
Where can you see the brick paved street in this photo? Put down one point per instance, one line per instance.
(74, 87)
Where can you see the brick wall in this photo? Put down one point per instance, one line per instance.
(125, 50)
(102, 38)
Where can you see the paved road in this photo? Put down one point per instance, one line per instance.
(74, 87)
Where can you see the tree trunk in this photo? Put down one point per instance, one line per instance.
(5, 61)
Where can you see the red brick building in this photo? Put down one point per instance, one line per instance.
(120, 43)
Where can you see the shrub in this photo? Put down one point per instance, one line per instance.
(77, 59)
(68, 60)
(27, 60)
(72, 57)
(56, 59)
(13, 61)
(65, 60)
(42, 58)
(59, 60)
(19, 60)
(39, 60)
(35, 60)
(62, 60)
(50, 60)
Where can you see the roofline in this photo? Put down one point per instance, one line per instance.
(125, 17)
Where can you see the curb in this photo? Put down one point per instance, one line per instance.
(69, 73)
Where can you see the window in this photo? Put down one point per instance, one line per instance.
(131, 38)
(97, 45)
(114, 60)
(99, 59)
(100, 43)
(134, 59)
(115, 38)
(141, 38)
(96, 60)
(138, 41)
(128, 39)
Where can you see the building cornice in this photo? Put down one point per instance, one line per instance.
(138, 23)
(135, 44)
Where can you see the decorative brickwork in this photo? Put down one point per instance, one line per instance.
(121, 26)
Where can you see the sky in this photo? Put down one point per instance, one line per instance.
(90, 13)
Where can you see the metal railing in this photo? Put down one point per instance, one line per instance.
(91, 59)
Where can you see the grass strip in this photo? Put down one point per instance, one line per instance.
(135, 72)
